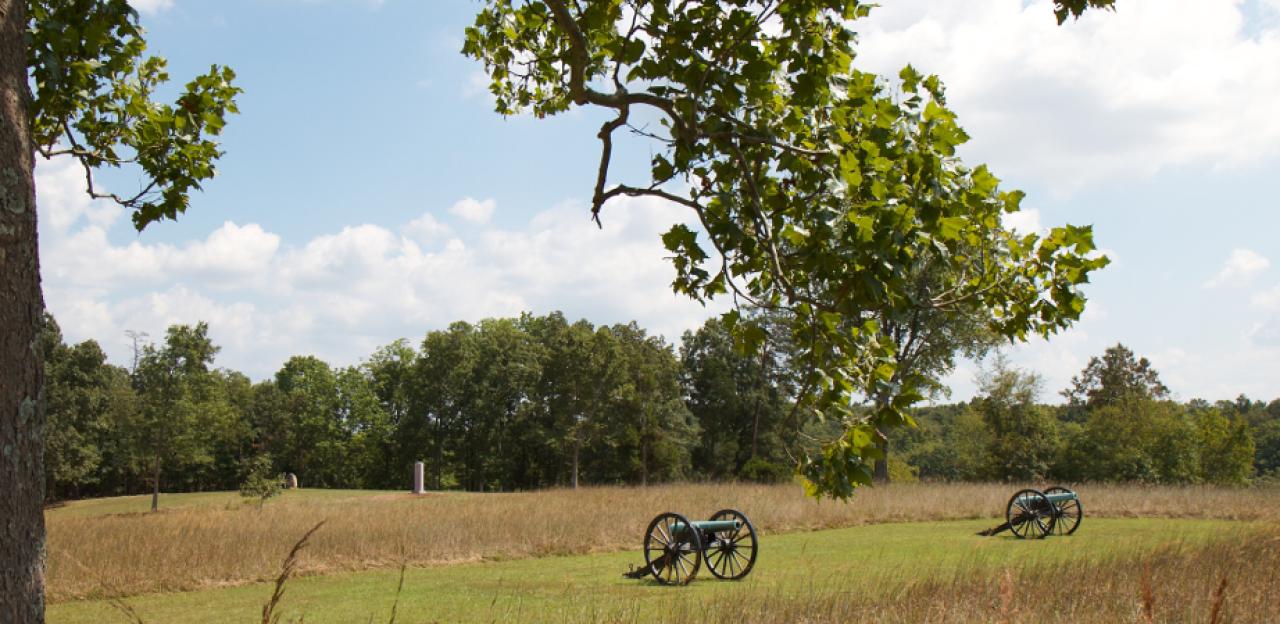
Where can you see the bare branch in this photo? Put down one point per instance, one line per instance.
(606, 152)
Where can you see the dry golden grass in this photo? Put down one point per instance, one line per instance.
(195, 548)
(1234, 580)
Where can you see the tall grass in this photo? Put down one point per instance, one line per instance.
(193, 548)
(1234, 580)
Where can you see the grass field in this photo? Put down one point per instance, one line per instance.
(558, 555)
(872, 560)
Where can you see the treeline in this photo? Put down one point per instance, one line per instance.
(1118, 424)
(537, 401)
(503, 404)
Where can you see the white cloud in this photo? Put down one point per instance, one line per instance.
(229, 256)
(1026, 221)
(341, 294)
(61, 189)
(475, 211)
(425, 229)
(1267, 299)
(1239, 269)
(152, 6)
(1155, 84)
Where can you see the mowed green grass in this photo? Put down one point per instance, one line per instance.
(117, 505)
(862, 561)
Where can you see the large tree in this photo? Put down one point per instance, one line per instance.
(649, 427)
(820, 189)
(742, 401)
(1112, 378)
(74, 83)
(82, 392)
(182, 403)
(1024, 434)
(927, 339)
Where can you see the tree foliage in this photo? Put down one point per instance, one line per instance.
(259, 481)
(628, 406)
(1226, 448)
(94, 100)
(821, 189)
(742, 402)
(180, 402)
(1024, 436)
(1114, 377)
(85, 398)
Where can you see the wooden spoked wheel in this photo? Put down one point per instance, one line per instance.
(1067, 513)
(731, 554)
(1030, 514)
(672, 549)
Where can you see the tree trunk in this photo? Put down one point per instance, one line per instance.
(21, 313)
(755, 429)
(437, 467)
(644, 461)
(882, 465)
(155, 487)
(577, 445)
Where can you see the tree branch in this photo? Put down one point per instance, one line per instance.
(580, 58)
(606, 152)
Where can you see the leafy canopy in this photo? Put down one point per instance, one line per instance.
(819, 188)
(93, 100)
(1107, 380)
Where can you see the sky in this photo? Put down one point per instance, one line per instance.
(369, 193)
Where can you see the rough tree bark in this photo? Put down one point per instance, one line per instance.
(21, 367)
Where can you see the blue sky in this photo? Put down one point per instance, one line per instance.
(368, 192)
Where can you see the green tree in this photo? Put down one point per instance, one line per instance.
(927, 339)
(651, 431)
(589, 365)
(390, 373)
(564, 351)
(73, 82)
(1226, 447)
(1267, 448)
(817, 186)
(1024, 436)
(740, 400)
(181, 401)
(370, 429)
(259, 480)
(926, 446)
(508, 366)
(1112, 378)
(80, 389)
(440, 394)
(316, 426)
(1135, 439)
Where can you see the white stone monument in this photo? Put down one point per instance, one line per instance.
(417, 479)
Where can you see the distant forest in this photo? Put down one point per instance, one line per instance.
(537, 401)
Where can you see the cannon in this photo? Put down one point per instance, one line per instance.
(1033, 514)
(675, 548)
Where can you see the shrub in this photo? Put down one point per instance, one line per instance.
(765, 471)
(259, 483)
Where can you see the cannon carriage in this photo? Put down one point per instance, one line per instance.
(1036, 514)
(675, 548)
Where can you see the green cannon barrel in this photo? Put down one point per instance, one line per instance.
(1058, 497)
(711, 526)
